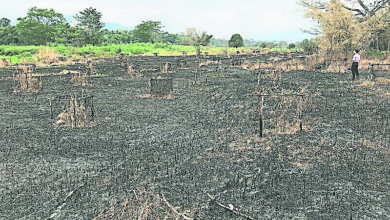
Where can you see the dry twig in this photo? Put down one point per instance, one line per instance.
(174, 210)
(229, 208)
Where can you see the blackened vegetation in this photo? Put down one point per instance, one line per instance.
(237, 61)
(181, 64)
(203, 142)
(167, 68)
(24, 81)
(160, 87)
(72, 110)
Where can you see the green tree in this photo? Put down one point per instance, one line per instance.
(219, 42)
(148, 31)
(309, 47)
(250, 43)
(76, 36)
(4, 22)
(89, 20)
(236, 41)
(41, 26)
(270, 45)
(8, 35)
(263, 44)
(291, 46)
(169, 38)
(282, 44)
(118, 36)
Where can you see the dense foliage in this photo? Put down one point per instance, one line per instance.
(236, 41)
(41, 26)
(89, 20)
(342, 28)
(148, 31)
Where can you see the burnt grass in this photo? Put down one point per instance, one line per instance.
(202, 140)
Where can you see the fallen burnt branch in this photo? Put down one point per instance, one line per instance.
(229, 208)
(57, 211)
(174, 210)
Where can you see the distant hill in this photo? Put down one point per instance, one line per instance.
(107, 25)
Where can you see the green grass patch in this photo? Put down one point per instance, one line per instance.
(18, 54)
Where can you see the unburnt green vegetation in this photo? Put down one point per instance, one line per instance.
(18, 54)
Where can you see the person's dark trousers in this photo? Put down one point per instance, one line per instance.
(355, 70)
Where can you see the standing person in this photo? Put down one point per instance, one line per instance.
(355, 64)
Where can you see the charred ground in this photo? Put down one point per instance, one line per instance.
(203, 139)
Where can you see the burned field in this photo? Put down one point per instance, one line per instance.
(197, 148)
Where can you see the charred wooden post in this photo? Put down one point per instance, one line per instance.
(261, 124)
(195, 76)
(198, 53)
(51, 109)
(259, 72)
(122, 60)
(300, 110)
(74, 112)
(89, 67)
(181, 63)
(92, 107)
(72, 107)
(372, 71)
(261, 110)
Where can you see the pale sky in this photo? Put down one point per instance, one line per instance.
(253, 19)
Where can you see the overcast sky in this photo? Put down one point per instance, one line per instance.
(253, 19)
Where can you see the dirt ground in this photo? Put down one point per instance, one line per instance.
(203, 140)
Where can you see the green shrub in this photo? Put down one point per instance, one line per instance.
(374, 53)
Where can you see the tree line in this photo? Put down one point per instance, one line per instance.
(46, 26)
(342, 27)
